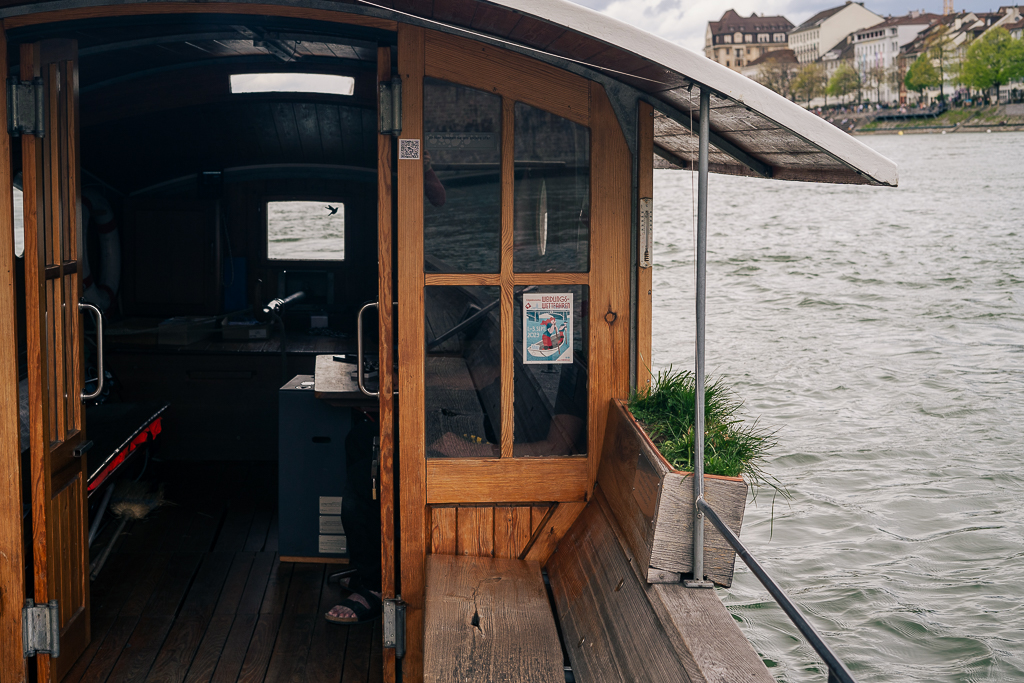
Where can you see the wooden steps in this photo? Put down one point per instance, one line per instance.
(489, 619)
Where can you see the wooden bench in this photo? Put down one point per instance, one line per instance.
(489, 619)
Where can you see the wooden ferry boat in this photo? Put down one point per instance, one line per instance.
(482, 152)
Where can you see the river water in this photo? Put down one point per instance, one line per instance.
(882, 332)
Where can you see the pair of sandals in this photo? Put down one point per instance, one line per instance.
(362, 605)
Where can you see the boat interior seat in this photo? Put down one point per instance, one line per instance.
(489, 619)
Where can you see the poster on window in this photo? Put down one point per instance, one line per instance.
(547, 327)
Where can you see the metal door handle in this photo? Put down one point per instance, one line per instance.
(98, 317)
(359, 350)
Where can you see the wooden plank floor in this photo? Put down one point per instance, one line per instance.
(196, 593)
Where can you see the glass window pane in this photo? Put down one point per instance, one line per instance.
(461, 179)
(463, 372)
(552, 193)
(306, 231)
(551, 394)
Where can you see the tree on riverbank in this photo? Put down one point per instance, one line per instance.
(810, 82)
(941, 50)
(844, 81)
(922, 74)
(993, 60)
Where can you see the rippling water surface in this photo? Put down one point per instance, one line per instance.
(882, 331)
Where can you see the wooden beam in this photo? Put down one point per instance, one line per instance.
(385, 333)
(552, 530)
(611, 208)
(462, 279)
(508, 147)
(13, 665)
(411, 352)
(645, 276)
(157, 8)
(506, 480)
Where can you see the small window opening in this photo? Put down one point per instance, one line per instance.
(306, 231)
(325, 84)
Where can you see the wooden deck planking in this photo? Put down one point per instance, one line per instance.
(183, 616)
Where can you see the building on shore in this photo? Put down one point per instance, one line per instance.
(734, 41)
(946, 41)
(811, 39)
(775, 70)
(876, 52)
(841, 53)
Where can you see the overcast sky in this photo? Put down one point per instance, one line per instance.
(684, 21)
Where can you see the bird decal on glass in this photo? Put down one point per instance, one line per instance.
(333, 210)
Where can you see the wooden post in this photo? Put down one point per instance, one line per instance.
(386, 398)
(13, 665)
(645, 276)
(411, 351)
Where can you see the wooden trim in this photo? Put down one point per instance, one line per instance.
(156, 8)
(555, 525)
(551, 278)
(645, 276)
(55, 237)
(13, 665)
(506, 480)
(507, 301)
(461, 279)
(508, 74)
(38, 381)
(411, 352)
(610, 209)
(385, 330)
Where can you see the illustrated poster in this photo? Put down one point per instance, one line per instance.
(547, 327)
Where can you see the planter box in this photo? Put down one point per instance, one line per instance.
(653, 504)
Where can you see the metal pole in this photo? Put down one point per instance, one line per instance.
(701, 257)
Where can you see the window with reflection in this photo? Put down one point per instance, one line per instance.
(19, 222)
(552, 193)
(462, 372)
(461, 178)
(551, 353)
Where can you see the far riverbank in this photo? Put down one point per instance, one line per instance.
(986, 119)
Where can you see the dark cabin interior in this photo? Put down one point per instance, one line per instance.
(188, 169)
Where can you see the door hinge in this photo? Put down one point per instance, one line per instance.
(391, 107)
(40, 628)
(25, 107)
(394, 625)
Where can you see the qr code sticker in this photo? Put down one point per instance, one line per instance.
(408, 149)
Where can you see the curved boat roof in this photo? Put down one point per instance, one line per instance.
(754, 131)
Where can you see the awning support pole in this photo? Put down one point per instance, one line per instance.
(701, 258)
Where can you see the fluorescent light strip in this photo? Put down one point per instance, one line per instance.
(324, 84)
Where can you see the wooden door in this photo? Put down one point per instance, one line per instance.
(513, 179)
(53, 287)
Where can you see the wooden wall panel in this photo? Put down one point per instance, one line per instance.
(485, 531)
(610, 182)
(13, 665)
(511, 531)
(645, 276)
(474, 534)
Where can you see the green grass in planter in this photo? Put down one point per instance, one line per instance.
(732, 447)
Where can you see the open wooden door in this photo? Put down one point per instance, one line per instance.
(512, 241)
(53, 241)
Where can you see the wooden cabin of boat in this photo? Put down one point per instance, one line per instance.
(186, 167)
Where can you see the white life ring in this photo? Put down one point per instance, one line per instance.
(97, 214)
